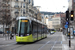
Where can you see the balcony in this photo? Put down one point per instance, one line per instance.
(7, 10)
(5, 5)
(16, 6)
(16, 0)
(23, 6)
(16, 12)
(23, 12)
(6, 0)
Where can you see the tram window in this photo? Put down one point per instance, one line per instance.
(22, 27)
(18, 26)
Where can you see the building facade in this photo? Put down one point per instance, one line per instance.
(16, 8)
(56, 21)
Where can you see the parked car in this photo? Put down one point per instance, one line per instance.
(1, 32)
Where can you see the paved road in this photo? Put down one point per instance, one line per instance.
(52, 42)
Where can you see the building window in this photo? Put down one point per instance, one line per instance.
(16, 0)
(74, 0)
(16, 10)
(16, 4)
(32, 3)
(24, 0)
(23, 5)
(29, 1)
(21, 10)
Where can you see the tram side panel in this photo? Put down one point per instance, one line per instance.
(34, 31)
(45, 31)
(42, 31)
(39, 31)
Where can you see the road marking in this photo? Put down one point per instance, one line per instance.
(7, 45)
(53, 45)
(44, 45)
(63, 39)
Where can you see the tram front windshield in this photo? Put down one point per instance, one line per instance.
(23, 28)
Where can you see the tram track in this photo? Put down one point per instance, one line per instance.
(9, 46)
(54, 43)
(46, 43)
(50, 44)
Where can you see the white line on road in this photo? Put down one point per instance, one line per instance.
(53, 45)
(63, 39)
(7, 44)
(44, 45)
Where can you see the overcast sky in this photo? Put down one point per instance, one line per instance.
(52, 5)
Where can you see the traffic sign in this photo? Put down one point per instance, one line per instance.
(66, 26)
(67, 23)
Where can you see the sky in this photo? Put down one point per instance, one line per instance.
(52, 5)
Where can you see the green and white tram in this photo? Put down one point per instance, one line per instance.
(30, 30)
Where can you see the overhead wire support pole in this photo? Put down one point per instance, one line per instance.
(68, 20)
(69, 32)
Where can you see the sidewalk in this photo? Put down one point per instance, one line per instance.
(5, 40)
(67, 43)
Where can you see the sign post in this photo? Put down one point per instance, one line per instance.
(66, 26)
(68, 23)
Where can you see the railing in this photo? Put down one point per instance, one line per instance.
(5, 5)
(6, 0)
(23, 12)
(16, 6)
(16, 0)
(16, 12)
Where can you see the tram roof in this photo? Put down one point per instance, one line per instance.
(30, 18)
(23, 17)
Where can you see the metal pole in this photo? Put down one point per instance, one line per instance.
(3, 28)
(69, 32)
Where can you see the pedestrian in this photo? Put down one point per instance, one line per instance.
(10, 35)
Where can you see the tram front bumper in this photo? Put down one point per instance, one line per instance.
(23, 39)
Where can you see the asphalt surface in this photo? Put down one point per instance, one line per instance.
(56, 41)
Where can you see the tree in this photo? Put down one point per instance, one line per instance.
(5, 15)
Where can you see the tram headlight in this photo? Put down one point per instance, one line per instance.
(27, 34)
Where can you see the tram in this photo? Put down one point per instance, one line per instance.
(30, 30)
